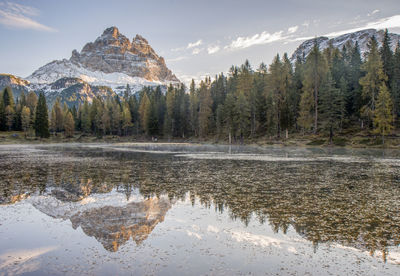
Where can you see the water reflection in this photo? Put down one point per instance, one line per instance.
(117, 194)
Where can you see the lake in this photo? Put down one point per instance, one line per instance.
(185, 209)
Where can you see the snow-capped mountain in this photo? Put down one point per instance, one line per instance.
(102, 68)
(111, 60)
(362, 37)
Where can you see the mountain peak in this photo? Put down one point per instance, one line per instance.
(140, 39)
(113, 31)
(112, 56)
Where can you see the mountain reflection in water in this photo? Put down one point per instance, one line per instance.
(351, 203)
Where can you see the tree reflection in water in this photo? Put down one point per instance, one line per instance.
(353, 204)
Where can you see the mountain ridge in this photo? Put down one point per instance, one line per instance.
(362, 37)
(110, 60)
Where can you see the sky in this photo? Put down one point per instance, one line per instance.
(196, 38)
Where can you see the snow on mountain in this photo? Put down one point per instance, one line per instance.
(362, 37)
(111, 60)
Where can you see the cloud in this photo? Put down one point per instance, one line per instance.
(197, 51)
(177, 59)
(178, 49)
(293, 29)
(373, 12)
(194, 44)
(301, 38)
(19, 16)
(383, 23)
(213, 49)
(257, 39)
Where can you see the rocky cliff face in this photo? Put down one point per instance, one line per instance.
(112, 60)
(362, 37)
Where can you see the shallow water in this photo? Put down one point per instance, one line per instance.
(179, 209)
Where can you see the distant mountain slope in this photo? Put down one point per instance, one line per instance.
(362, 37)
(70, 90)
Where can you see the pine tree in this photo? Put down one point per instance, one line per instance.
(8, 97)
(354, 100)
(10, 116)
(331, 106)
(169, 121)
(243, 115)
(229, 115)
(144, 112)
(31, 102)
(193, 108)
(26, 119)
(229, 111)
(314, 74)
(395, 85)
(387, 57)
(69, 125)
(205, 109)
(306, 106)
(373, 79)
(116, 117)
(58, 119)
(126, 119)
(85, 117)
(41, 118)
(53, 125)
(383, 117)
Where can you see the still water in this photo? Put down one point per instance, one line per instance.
(179, 209)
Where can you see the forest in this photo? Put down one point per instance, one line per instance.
(324, 93)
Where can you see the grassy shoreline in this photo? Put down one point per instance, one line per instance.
(347, 140)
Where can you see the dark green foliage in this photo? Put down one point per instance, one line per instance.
(331, 106)
(41, 118)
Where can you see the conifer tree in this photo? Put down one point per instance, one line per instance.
(85, 117)
(243, 115)
(41, 118)
(354, 100)
(314, 74)
(69, 125)
(169, 121)
(229, 115)
(26, 119)
(372, 80)
(331, 106)
(53, 125)
(58, 120)
(193, 108)
(8, 97)
(387, 57)
(395, 85)
(144, 112)
(10, 116)
(306, 106)
(126, 119)
(383, 117)
(205, 111)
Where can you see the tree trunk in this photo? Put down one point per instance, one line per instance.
(330, 135)
(287, 133)
(230, 138)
